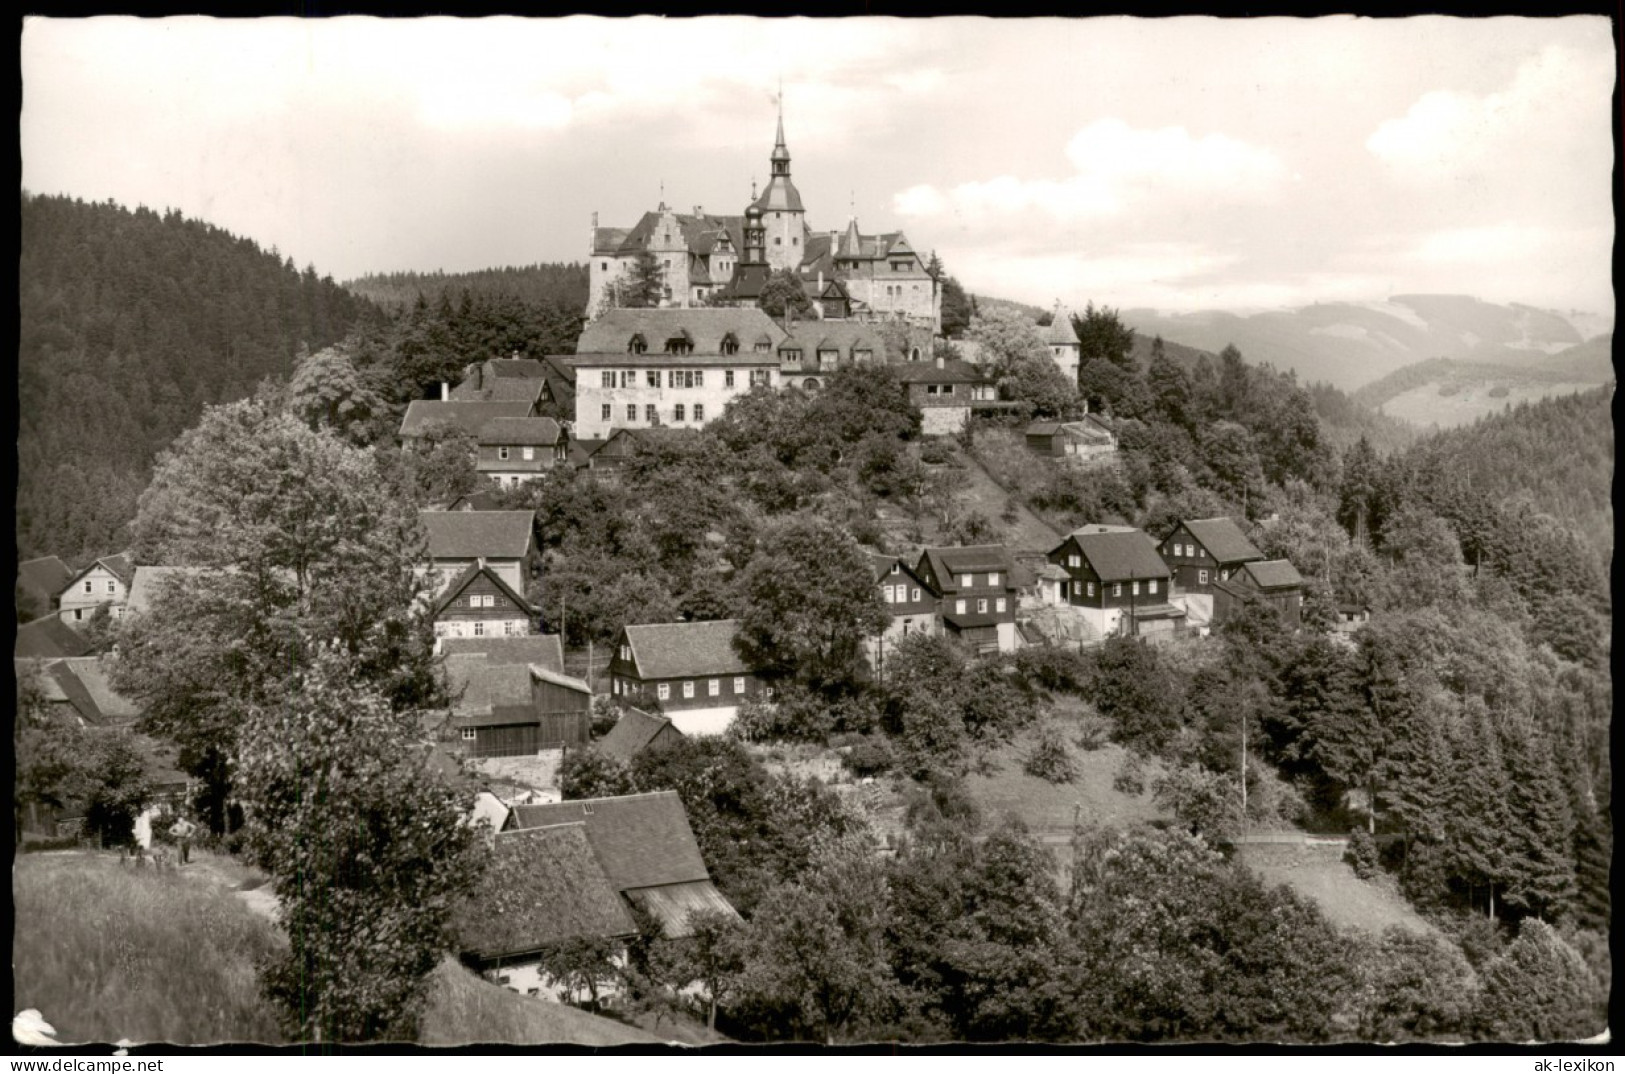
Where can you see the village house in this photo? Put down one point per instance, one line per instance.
(1275, 582)
(1089, 438)
(1061, 338)
(646, 848)
(515, 450)
(1117, 581)
(690, 672)
(946, 391)
(912, 604)
(502, 541)
(514, 710)
(478, 602)
(48, 637)
(105, 583)
(636, 731)
(501, 380)
(645, 368)
(1202, 551)
(541, 887)
(979, 593)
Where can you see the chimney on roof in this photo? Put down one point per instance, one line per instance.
(698, 211)
(595, 218)
(445, 391)
(941, 362)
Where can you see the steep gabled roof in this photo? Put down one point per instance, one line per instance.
(463, 580)
(483, 688)
(641, 840)
(500, 390)
(685, 650)
(1059, 332)
(467, 415)
(542, 886)
(1120, 556)
(632, 732)
(121, 566)
(1223, 539)
(545, 650)
(472, 534)
(1273, 574)
(609, 333)
(84, 679)
(49, 637)
(948, 563)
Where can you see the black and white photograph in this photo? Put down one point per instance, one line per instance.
(867, 533)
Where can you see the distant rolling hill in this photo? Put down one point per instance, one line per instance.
(1350, 344)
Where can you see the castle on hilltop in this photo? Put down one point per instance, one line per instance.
(709, 260)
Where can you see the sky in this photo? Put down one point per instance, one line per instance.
(1175, 164)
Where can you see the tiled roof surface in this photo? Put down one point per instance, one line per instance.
(521, 368)
(44, 577)
(952, 372)
(610, 333)
(1058, 331)
(520, 431)
(541, 887)
(671, 904)
(1223, 539)
(543, 649)
(631, 733)
(948, 563)
(483, 687)
(500, 389)
(92, 674)
(685, 650)
(47, 637)
(843, 336)
(467, 415)
(641, 840)
(471, 534)
(1120, 556)
(1273, 574)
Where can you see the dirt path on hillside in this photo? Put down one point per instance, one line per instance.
(1029, 533)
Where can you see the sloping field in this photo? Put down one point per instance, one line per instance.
(1448, 405)
(1320, 874)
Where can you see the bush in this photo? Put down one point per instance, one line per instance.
(871, 755)
(1500, 391)
(1053, 667)
(1049, 758)
(936, 452)
(1130, 778)
(1362, 854)
(1094, 731)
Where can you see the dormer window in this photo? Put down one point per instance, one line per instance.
(636, 345)
(730, 344)
(680, 344)
(790, 354)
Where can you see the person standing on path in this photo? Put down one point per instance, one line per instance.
(182, 831)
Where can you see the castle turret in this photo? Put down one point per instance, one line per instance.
(783, 217)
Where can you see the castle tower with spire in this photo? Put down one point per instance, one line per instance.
(784, 218)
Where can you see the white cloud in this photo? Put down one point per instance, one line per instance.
(1560, 93)
(1116, 167)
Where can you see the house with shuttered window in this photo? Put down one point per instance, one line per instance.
(1116, 580)
(689, 672)
(910, 601)
(979, 590)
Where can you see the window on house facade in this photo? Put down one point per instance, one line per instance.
(1135, 588)
(728, 374)
(739, 685)
(862, 356)
(469, 734)
(510, 628)
(606, 379)
(916, 595)
(1201, 577)
(959, 607)
(603, 266)
(650, 414)
(677, 413)
(664, 691)
(776, 240)
(479, 628)
(1089, 588)
(1153, 585)
(1117, 589)
(529, 453)
(998, 605)
(631, 412)
(981, 606)
(629, 377)
(1074, 560)
(652, 378)
(699, 411)
(502, 453)
(89, 587)
(78, 615)
(762, 377)
(626, 652)
(606, 412)
(993, 578)
(688, 689)
(714, 687)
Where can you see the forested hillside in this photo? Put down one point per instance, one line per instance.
(562, 285)
(130, 322)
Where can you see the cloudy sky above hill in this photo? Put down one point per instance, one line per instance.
(1173, 163)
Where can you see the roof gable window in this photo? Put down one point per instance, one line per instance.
(681, 343)
(730, 344)
(637, 344)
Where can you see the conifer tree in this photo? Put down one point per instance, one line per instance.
(1479, 818)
